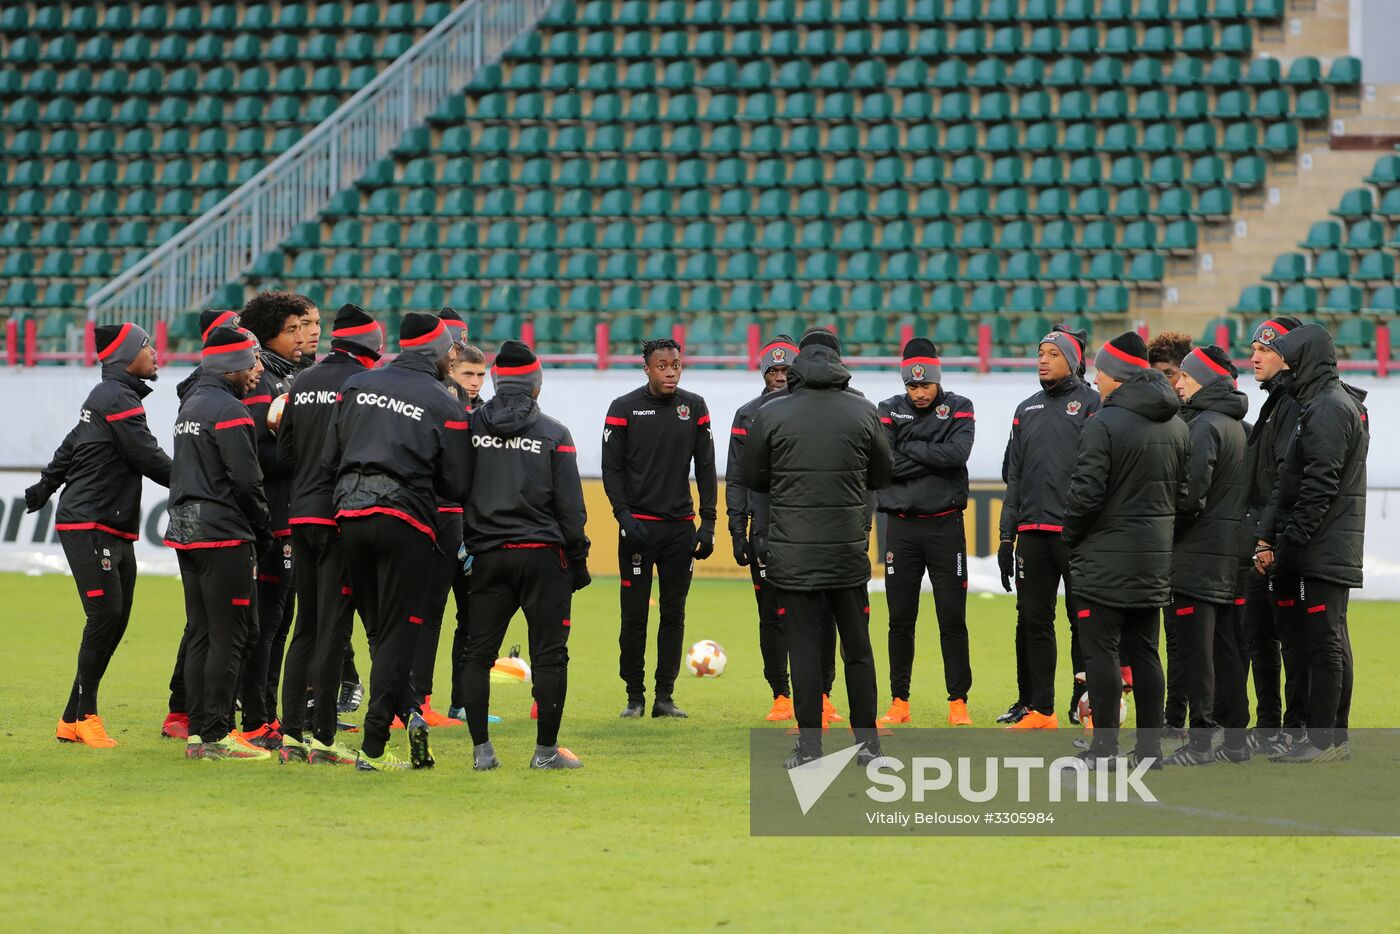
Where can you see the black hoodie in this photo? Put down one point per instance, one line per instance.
(817, 452)
(525, 484)
(1320, 499)
(1205, 561)
(301, 436)
(1128, 477)
(101, 461)
(1264, 453)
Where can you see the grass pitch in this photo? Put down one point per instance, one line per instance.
(652, 834)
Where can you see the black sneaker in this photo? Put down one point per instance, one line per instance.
(342, 726)
(634, 708)
(1014, 714)
(351, 693)
(1237, 756)
(802, 755)
(666, 708)
(419, 753)
(1154, 762)
(1260, 739)
(1283, 742)
(1186, 755)
(871, 752)
(1303, 753)
(1079, 690)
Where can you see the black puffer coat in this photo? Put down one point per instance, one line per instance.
(1205, 562)
(817, 451)
(1121, 510)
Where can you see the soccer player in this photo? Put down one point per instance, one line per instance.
(99, 465)
(311, 336)
(1119, 520)
(525, 531)
(930, 434)
(274, 318)
(398, 437)
(1314, 533)
(467, 372)
(1039, 460)
(1263, 624)
(818, 452)
(1166, 352)
(650, 438)
(1205, 609)
(325, 603)
(218, 516)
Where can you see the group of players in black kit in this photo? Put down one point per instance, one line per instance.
(1148, 496)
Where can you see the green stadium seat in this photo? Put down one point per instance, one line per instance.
(1365, 235)
(1344, 72)
(1304, 72)
(1385, 300)
(1333, 264)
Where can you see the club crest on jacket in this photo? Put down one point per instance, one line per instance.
(1073, 407)
(941, 411)
(683, 412)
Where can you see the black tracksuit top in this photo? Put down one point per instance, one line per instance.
(398, 444)
(216, 492)
(740, 503)
(101, 461)
(525, 484)
(648, 444)
(1040, 456)
(301, 438)
(929, 448)
(277, 476)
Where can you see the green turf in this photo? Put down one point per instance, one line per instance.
(651, 835)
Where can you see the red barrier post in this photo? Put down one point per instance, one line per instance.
(1382, 350)
(89, 342)
(984, 348)
(1222, 337)
(162, 340)
(1144, 333)
(602, 343)
(755, 343)
(12, 342)
(31, 342)
(678, 334)
(527, 334)
(906, 334)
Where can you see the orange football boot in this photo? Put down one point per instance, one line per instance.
(957, 713)
(829, 710)
(433, 718)
(66, 732)
(898, 713)
(782, 709)
(176, 726)
(91, 732)
(1035, 720)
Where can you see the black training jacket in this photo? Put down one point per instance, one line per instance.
(525, 485)
(102, 460)
(1320, 498)
(1266, 448)
(648, 445)
(216, 492)
(398, 444)
(817, 451)
(449, 514)
(740, 503)
(277, 476)
(1205, 559)
(301, 438)
(1040, 456)
(1129, 475)
(929, 449)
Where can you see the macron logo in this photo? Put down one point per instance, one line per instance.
(811, 780)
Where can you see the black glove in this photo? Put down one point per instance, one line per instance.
(1006, 560)
(1288, 559)
(37, 495)
(740, 541)
(704, 541)
(632, 530)
(582, 578)
(262, 541)
(758, 549)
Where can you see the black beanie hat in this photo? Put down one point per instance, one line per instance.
(1207, 364)
(920, 363)
(820, 336)
(515, 365)
(424, 334)
(211, 319)
(118, 344)
(228, 350)
(456, 327)
(1123, 356)
(356, 332)
(777, 352)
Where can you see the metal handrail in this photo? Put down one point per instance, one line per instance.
(217, 247)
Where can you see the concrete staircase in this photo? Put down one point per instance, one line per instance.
(1300, 191)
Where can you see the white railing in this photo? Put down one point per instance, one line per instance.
(219, 246)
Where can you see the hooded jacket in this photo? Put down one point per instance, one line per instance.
(525, 484)
(1320, 498)
(216, 492)
(398, 444)
(740, 503)
(1264, 452)
(929, 449)
(1128, 477)
(276, 379)
(301, 437)
(1205, 560)
(102, 460)
(1040, 456)
(817, 452)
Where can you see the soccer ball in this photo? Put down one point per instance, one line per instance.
(706, 659)
(1086, 713)
(274, 413)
